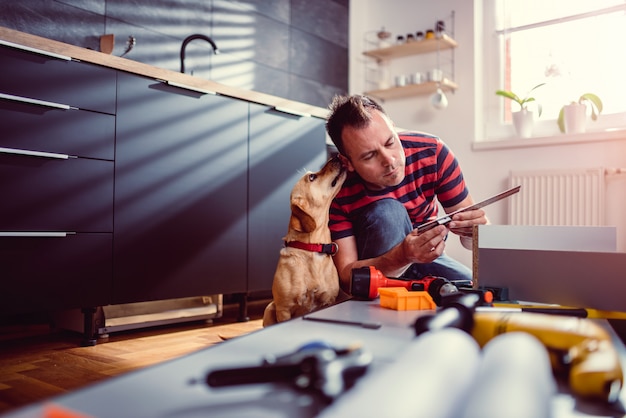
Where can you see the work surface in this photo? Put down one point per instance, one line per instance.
(177, 388)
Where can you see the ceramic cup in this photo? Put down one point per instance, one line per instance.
(416, 78)
(400, 80)
(435, 75)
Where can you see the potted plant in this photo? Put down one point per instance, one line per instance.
(573, 116)
(524, 118)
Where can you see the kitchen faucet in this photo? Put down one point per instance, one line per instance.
(189, 39)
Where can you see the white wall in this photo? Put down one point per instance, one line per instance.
(486, 171)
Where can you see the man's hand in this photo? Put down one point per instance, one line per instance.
(463, 222)
(425, 247)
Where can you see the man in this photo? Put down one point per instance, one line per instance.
(393, 185)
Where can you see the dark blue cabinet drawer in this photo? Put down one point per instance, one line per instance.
(41, 273)
(74, 132)
(77, 84)
(54, 194)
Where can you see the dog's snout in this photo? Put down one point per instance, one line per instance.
(336, 161)
(341, 170)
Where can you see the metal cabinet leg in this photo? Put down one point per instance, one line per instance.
(243, 307)
(89, 333)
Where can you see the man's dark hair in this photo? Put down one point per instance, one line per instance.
(353, 111)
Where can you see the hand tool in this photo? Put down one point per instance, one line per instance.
(315, 366)
(368, 325)
(551, 310)
(447, 218)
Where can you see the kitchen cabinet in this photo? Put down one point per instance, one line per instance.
(56, 182)
(181, 177)
(425, 46)
(119, 187)
(282, 147)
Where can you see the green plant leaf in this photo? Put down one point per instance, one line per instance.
(520, 101)
(508, 95)
(561, 120)
(596, 104)
(536, 87)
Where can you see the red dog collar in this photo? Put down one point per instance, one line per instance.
(316, 248)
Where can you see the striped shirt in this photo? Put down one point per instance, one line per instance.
(432, 174)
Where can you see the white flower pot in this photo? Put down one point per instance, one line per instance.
(575, 118)
(523, 122)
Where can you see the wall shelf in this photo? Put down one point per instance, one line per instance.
(412, 48)
(413, 89)
(379, 78)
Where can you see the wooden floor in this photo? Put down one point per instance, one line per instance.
(37, 362)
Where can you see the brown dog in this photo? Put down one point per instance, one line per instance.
(306, 278)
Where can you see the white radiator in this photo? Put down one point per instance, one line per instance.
(572, 197)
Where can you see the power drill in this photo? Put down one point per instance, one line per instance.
(579, 348)
(366, 281)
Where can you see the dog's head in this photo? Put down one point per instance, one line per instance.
(312, 195)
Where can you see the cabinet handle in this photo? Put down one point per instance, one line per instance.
(36, 102)
(186, 87)
(34, 153)
(35, 50)
(33, 234)
(292, 112)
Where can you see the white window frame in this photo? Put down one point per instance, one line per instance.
(492, 70)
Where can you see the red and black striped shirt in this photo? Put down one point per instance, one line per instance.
(432, 174)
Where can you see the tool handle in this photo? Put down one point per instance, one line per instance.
(251, 375)
(457, 313)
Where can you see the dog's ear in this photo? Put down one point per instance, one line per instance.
(300, 220)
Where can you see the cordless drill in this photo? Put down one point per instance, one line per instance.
(579, 348)
(367, 280)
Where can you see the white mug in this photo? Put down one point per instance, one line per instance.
(416, 78)
(435, 75)
(400, 80)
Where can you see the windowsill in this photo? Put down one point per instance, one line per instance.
(562, 139)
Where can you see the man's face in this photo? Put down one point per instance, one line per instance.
(375, 152)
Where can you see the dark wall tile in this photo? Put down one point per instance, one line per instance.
(176, 18)
(274, 9)
(344, 3)
(250, 35)
(326, 19)
(271, 81)
(53, 20)
(250, 75)
(310, 91)
(318, 59)
(94, 6)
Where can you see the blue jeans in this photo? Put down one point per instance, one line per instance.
(382, 225)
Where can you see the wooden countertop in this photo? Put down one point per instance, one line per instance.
(123, 64)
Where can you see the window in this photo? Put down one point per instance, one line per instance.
(574, 46)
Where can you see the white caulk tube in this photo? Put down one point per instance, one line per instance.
(515, 379)
(431, 378)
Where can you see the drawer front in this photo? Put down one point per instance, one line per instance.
(49, 194)
(43, 273)
(74, 132)
(41, 77)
